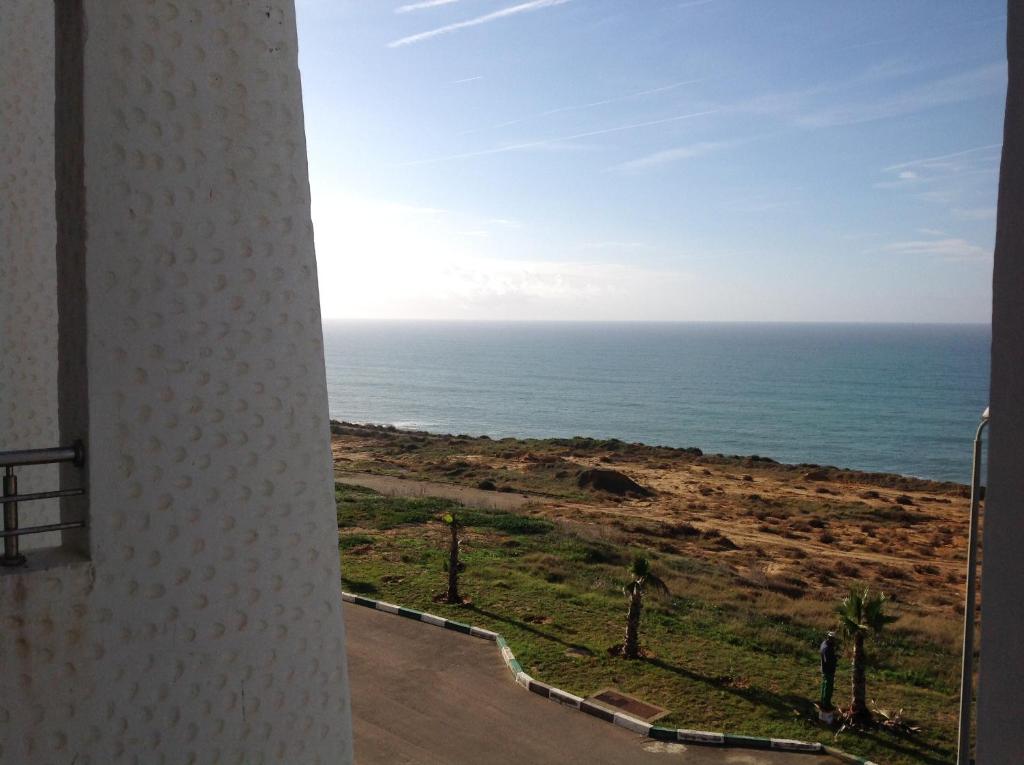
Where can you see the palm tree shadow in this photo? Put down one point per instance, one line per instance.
(526, 627)
(791, 703)
(760, 696)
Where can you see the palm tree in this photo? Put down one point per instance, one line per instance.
(452, 593)
(862, 613)
(643, 577)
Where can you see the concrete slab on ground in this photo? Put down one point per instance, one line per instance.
(430, 696)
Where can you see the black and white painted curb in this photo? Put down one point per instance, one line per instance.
(634, 724)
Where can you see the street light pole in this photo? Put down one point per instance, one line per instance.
(963, 756)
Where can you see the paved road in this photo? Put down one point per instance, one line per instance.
(429, 696)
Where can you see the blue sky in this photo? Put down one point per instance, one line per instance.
(793, 160)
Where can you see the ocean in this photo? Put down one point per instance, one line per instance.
(891, 398)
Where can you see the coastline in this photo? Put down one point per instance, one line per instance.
(698, 455)
(879, 398)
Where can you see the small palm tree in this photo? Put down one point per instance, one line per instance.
(862, 613)
(452, 593)
(643, 578)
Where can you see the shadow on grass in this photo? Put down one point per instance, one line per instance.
(526, 627)
(790, 703)
(885, 739)
(786, 704)
(359, 588)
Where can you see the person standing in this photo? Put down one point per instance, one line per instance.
(828, 670)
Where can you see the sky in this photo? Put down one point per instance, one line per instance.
(695, 160)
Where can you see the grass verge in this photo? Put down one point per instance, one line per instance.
(719, 654)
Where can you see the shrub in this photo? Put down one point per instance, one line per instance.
(354, 540)
(681, 530)
(845, 568)
(893, 572)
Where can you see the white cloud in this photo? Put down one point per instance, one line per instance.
(659, 158)
(503, 13)
(975, 213)
(975, 83)
(422, 5)
(588, 105)
(944, 159)
(856, 100)
(560, 146)
(950, 248)
(384, 260)
(561, 139)
(962, 179)
(614, 245)
(959, 24)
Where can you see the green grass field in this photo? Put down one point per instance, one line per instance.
(720, 655)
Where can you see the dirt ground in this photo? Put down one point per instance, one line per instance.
(786, 528)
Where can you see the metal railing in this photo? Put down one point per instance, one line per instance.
(12, 531)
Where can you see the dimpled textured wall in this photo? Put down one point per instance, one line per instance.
(207, 626)
(28, 274)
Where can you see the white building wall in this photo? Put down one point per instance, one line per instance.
(204, 623)
(28, 271)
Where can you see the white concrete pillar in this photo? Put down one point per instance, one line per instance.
(1000, 737)
(199, 620)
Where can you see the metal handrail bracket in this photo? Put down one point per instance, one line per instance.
(75, 454)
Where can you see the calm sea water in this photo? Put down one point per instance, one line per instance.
(894, 398)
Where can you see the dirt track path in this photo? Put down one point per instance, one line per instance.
(393, 486)
(738, 531)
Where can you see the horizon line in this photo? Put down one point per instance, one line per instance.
(850, 322)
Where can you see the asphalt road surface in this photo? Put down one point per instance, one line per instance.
(430, 696)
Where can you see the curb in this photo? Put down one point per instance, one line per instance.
(839, 754)
(656, 732)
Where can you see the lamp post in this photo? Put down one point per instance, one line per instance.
(963, 756)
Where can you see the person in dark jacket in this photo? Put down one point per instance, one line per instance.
(828, 670)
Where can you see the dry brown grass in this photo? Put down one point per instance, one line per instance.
(932, 627)
(842, 528)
